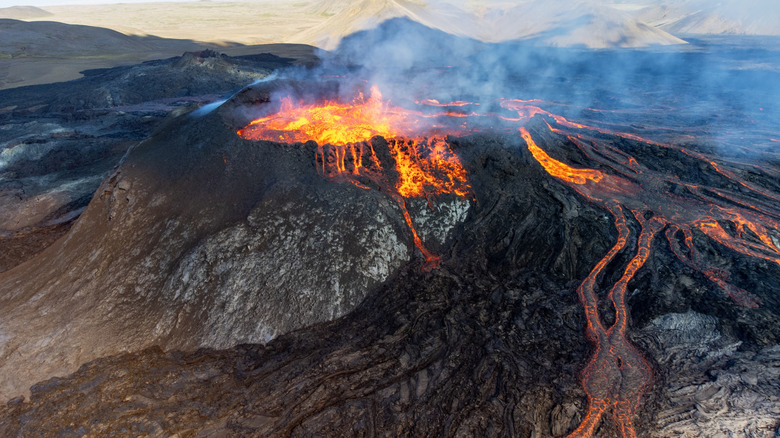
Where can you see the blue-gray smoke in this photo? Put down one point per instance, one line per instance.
(725, 89)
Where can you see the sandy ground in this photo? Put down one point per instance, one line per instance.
(241, 22)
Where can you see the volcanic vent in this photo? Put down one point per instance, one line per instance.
(403, 162)
(185, 203)
(498, 266)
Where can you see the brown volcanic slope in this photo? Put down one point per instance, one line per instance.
(200, 238)
(319, 257)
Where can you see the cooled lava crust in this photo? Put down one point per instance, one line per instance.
(491, 343)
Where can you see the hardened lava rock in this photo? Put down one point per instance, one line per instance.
(489, 344)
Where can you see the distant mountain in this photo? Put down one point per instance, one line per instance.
(23, 12)
(756, 17)
(361, 15)
(568, 23)
(49, 38)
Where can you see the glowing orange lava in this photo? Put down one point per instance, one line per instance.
(434, 102)
(556, 168)
(331, 122)
(424, 163)
(617, 375)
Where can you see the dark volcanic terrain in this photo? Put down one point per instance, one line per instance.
(212, 285)
(490, 344)
(59, 141)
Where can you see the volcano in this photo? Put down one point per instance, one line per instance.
(422, 246)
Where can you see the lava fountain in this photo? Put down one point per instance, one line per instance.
(424, 164)
(617, 376)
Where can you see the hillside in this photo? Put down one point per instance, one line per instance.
(49, 38)
(40, 52)
(757, 17)
(578, 23)
(23, 12)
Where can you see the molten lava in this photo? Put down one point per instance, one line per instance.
(331, 122)
(556, 168)
(424, 163)
(617, 376)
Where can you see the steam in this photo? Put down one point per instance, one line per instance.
(208, 108)
(269, 78)
(711, 88)
(205, 109)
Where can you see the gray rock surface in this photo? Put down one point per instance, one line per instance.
(710, 385)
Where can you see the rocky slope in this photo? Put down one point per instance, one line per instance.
(490, 344)
(58, 142)
(172, 221)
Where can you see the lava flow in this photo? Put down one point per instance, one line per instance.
(617, 375)
(424, 165)
(744, 220)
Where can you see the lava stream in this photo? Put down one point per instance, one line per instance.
(617, 375)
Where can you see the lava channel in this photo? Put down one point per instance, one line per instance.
(617, 375)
